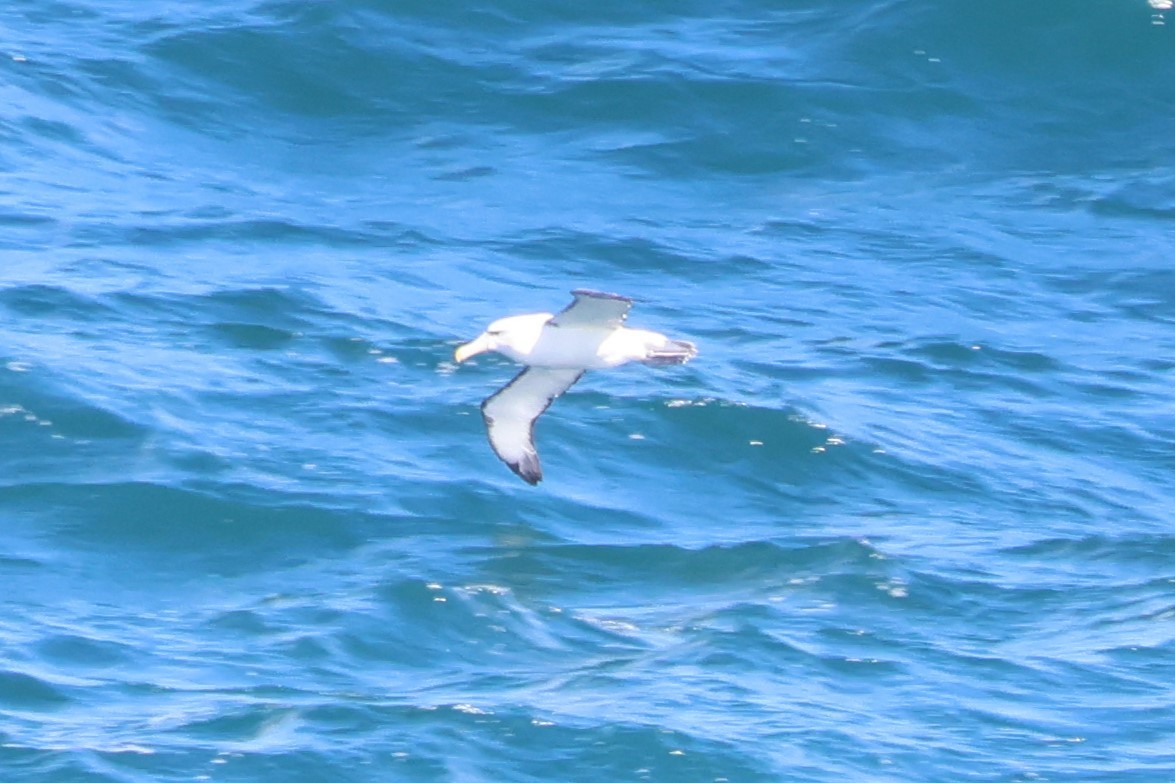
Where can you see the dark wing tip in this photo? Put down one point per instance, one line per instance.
(528, 469)
(600, 295)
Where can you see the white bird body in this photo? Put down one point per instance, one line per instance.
(557, 350)
(532, 340)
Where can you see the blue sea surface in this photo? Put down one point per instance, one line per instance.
(909, 516)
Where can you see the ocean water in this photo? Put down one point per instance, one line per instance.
(907, 517)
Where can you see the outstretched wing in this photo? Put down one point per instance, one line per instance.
(511, 412)
(595, 309)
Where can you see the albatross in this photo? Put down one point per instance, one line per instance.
(589, 334)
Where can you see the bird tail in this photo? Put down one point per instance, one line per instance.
(672, 352)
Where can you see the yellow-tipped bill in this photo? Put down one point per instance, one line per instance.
(471, 348)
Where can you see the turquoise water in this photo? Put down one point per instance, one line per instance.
(908, 516)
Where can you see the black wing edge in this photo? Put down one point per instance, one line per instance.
(601, 295)
(590, 294)
(529, 469)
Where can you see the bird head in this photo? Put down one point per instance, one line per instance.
(514, 336)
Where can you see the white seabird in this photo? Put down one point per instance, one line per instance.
(557, 350)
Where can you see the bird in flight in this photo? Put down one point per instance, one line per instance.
(557, 350)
